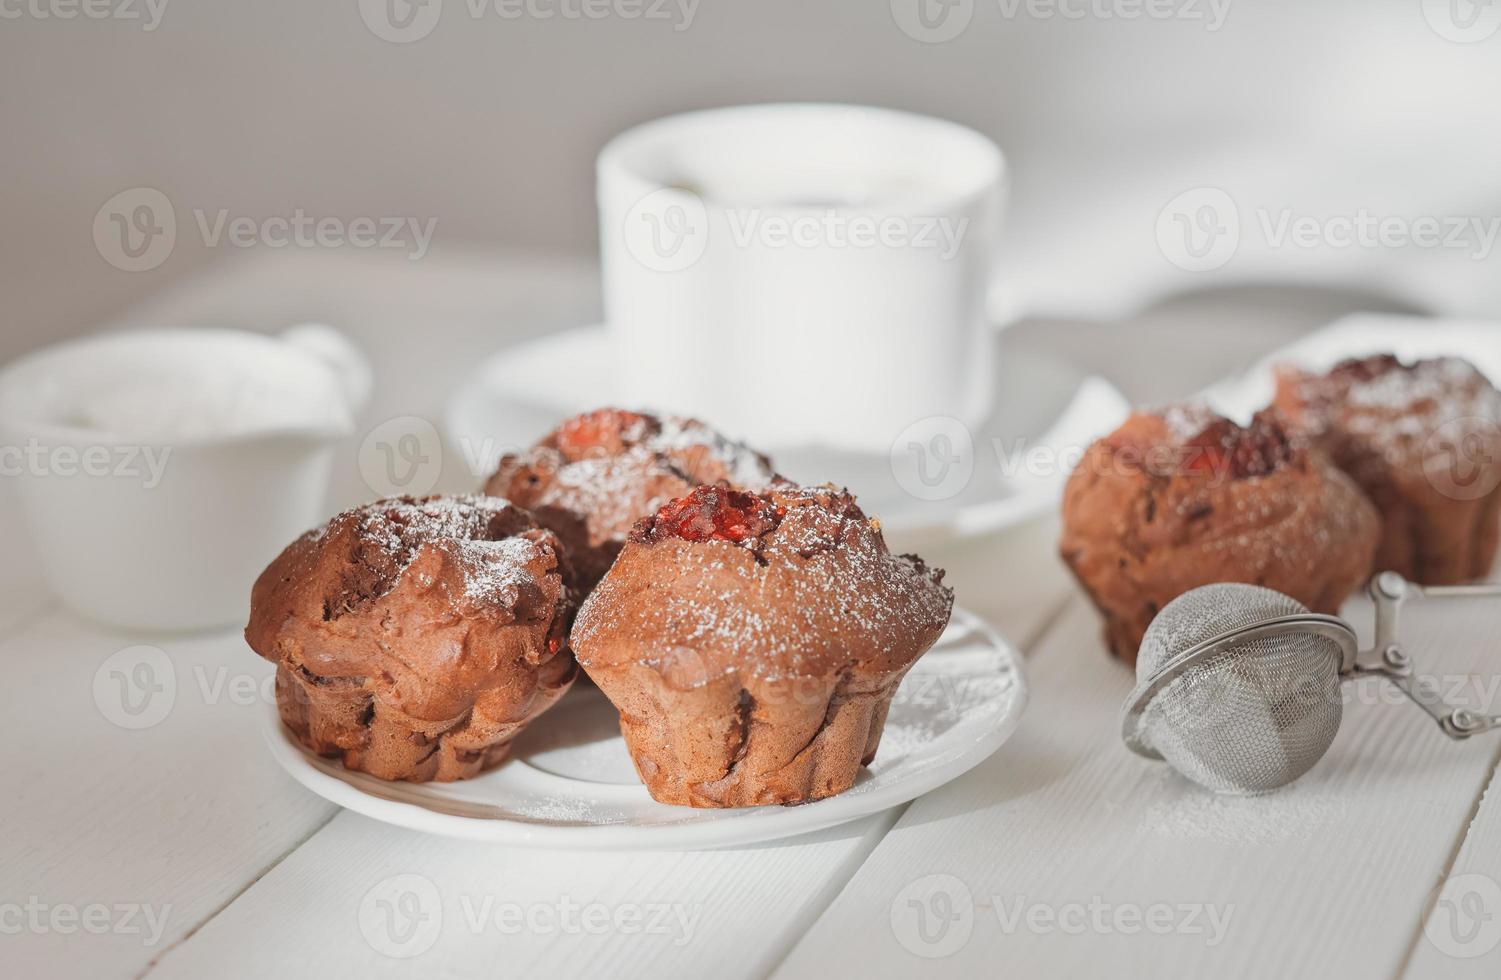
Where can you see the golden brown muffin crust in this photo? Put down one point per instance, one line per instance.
(1182, 498)
(752, 643)
(1423, 440)
(415, 638)
(598, 473)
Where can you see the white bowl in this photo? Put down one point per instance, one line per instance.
(160, 470)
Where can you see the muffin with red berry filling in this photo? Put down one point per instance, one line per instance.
(752, 643)
(1423, 441)
(414, 639)
(1182, 498)
(599, 473)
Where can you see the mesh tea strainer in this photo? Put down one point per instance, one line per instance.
(1238, 686)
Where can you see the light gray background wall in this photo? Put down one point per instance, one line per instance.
(490, 126)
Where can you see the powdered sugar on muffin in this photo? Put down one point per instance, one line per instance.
(598, 473)
(414, 639)
(752, 642)
(1423, 441)
(1181, 498)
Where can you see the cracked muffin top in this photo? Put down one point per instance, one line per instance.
(597, 474)
(427, 603)
(787, 582)
(1392, 404)
(1405, 420)
(1423, 440)
(1182, 497)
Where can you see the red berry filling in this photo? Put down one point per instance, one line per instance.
(1359, 369)
(603, 432)
(1224, 448)
(715, 514)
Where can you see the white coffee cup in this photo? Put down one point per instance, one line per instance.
(802, 274)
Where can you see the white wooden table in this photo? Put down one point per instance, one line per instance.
(181, 850)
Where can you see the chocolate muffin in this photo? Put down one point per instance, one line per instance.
(1423, 441)
(599, 473)
(752, 643)
(414, 639)
(1182, 498)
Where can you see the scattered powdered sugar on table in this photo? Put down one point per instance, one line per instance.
(1190, 813)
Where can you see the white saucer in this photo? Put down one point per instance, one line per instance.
(570, 783)
(515, 396)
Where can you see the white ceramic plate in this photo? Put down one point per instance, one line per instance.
(515, 396)
(570, 783)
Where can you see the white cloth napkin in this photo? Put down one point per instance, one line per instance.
(1097, 407)
(1409, 337)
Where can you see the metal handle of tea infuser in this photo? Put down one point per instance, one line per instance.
(1389, 591)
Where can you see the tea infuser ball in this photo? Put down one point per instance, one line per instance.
(1238, 685)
